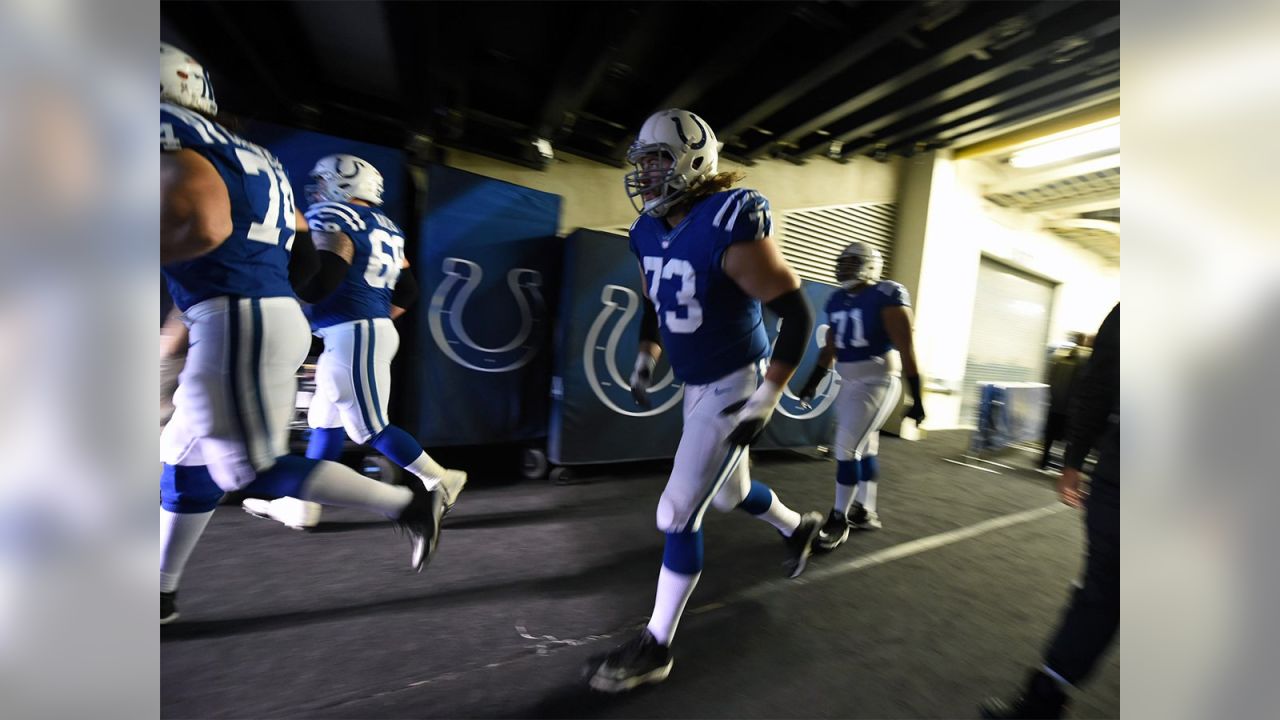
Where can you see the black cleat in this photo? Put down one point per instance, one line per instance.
(1043, 699)
(168, 607)
(636, 662)
(421, 520)
(800, 544)
(833, 533)
(863, 519)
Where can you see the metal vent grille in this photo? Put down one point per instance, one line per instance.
(1102, 184)
(813, 238)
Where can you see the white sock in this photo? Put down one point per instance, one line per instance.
(332, 483)
(179, 533)
(780, 516)
(870, 501)
(844, 497)
(427, 469)
(674, 590)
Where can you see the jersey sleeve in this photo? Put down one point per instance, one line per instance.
(895, 294)
(183, 129)
(334, 218)
(744, 217)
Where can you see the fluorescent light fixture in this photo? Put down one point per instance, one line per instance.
(1087, 140)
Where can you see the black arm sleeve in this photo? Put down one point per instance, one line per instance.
(649, 324)
(1097, 392)
(406, 290)
(797, 322)
(303, 262)
(913, 385)
(332, 270)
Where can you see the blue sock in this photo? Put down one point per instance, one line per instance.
(870, 469)
(284, 479)
(326, 443)
(847, 472)
(758, 499)
(683, 552)
(398, 445)
(188, 489)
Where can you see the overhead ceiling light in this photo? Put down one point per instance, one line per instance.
(1087, 140)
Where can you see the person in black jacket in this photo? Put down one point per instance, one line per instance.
(1092, 619)
(1061, 378)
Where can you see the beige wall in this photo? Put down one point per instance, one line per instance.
(960, 228)
(593, 196)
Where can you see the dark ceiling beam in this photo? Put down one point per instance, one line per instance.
(415, 31)
(920, 130)
(950, 56)
(581, 70)
(872, 40)
(746, 41)
(265, 71)
(974, 82)
(987, 126)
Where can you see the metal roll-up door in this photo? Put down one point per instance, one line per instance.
(1009, 338)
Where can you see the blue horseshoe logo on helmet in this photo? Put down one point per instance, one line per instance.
(599, 359)
(790, 404)
(355, 168)
(463, 276)
(680, 131)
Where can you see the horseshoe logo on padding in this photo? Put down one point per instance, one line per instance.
(620, 305)
(790, 405)
(450, 334)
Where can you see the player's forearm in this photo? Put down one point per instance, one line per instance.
(826, 356)
(797, 323)
(910, 368)
(653, 349)
(779, 373)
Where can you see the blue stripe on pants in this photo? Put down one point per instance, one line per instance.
(357, 361)
(378, 414)
(727, 467)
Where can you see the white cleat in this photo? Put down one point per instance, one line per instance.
(292, 512)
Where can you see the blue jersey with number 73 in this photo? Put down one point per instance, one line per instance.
(253, 262)
(709, 326)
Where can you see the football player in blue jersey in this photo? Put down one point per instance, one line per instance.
(364, 250)
(868, 319)
(227, 226)
(708, 261)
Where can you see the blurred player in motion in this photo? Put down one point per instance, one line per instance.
(227, 226)
(708, 261)
(361, 252)
(868, 318)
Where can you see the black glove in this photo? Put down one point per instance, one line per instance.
(753, 413)
(641, 378)
(811, 385)
(917, 400)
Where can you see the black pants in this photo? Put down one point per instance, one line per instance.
(1092, 619)
(1055, 428)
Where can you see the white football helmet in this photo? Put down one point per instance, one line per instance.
(690, 146)
(339, 178)
(859, 263)
(184, 82)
